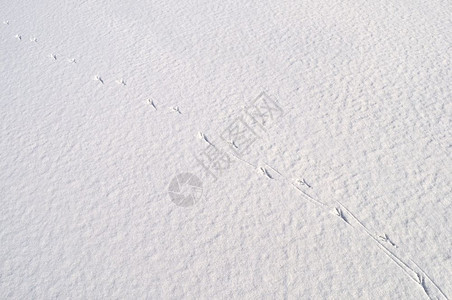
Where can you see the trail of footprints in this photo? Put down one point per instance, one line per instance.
(55, 57)
(97, 77)
(383, 242)
(413, 270)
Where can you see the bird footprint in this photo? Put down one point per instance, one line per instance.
(151, 102)
(204, 138)
(97, 77)
(176, 109)
(233, 144)
(265, 172)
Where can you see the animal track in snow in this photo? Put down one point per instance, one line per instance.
(18, 36)
(386, 239)
(204, 138)
(348, 217)
(265, 172)
(303, 182)
(420, 279)
(176, 109)
(98, 78)
(53, 56)
(151, 102)
(340, 214)
(33, 39)
(233, 144)
(121, 81)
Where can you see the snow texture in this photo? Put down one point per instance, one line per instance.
(225, 149)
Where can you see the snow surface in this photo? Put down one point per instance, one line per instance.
(343, 193)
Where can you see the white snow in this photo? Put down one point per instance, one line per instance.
(325, 127)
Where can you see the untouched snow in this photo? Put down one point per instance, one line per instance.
(330, 122)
